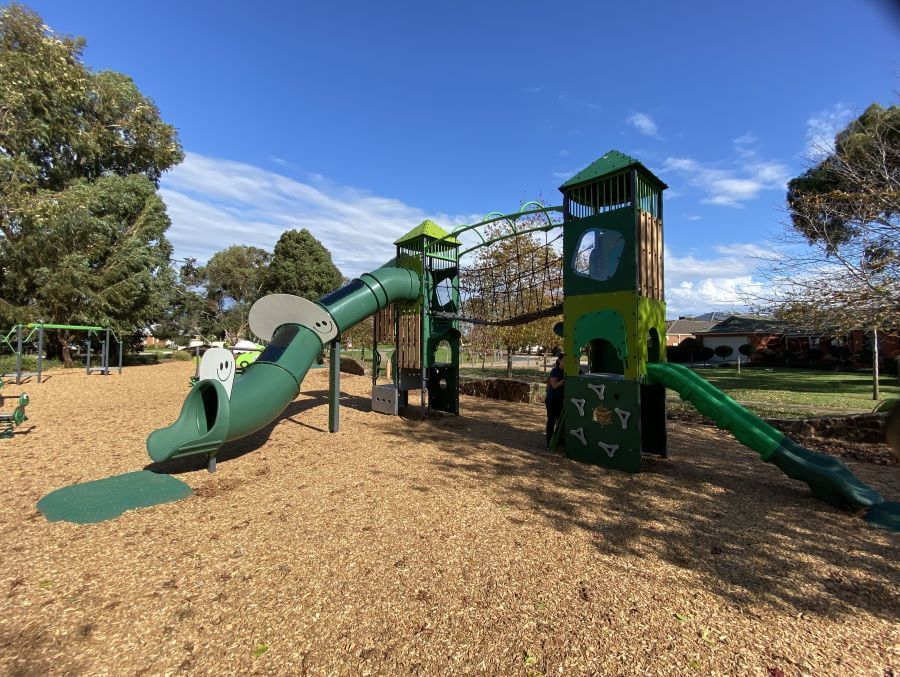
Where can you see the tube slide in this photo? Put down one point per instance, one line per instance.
(829, 478)
(209, 418)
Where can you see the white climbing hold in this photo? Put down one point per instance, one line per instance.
(610, 449)
(600, 389)
(623, 417)
(579, 404)
(579, 433)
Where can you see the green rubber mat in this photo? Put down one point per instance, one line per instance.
(108, 498)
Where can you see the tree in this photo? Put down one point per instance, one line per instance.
(482, 340)
(845, 215)
(691, 346)
(235, 278)
(724, 351)
(190, 312)
(360, 335)
(301, 265)
(82, 230)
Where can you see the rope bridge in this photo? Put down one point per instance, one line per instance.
(516, 273)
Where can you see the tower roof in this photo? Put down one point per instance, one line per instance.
(612, 162)
(430, 229)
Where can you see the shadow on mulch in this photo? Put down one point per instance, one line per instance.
(253, 442)
(712, 510)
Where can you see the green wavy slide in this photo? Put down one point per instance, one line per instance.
(829, 478)
(209, 418)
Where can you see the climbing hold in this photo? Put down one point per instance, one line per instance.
(600, 389)
(579, 404)
(610, 449)
(579, 433)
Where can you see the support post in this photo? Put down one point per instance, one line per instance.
(18, 354)
(121, 350)
(40, 355)
(106, 354)
(876, 391)
(334, 388)
(376, 362)
(87, 364)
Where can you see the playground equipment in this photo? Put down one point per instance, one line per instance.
(611, 274)
(15, 418)
(21, 334)
(245, 353)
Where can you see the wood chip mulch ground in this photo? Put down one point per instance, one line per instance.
(445, 546)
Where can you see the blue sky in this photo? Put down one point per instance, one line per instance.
(359, 119)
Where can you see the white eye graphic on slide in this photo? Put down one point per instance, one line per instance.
(323, 327)
(218, 364)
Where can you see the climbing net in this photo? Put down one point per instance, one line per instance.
(514, 275)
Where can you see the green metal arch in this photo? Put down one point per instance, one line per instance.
(494, 217)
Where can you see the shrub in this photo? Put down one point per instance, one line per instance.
(29, 363)
(724, 351)
(674, 354)
(747, 350)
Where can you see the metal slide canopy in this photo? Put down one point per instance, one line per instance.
(209, 418)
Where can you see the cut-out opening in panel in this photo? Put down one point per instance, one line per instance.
(598, 254)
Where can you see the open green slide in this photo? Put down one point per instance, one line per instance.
(209, 418)
(829, 478)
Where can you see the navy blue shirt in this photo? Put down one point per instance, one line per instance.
(555, 394)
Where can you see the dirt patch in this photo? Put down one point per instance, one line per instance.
(877, 453)
(507, 389)
(448, 545)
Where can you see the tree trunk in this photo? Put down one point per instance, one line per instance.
(58, 345)
(876, 391)
(509, 353)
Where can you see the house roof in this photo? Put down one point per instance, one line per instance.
(686, 326)
(747, 324)
(612, 161)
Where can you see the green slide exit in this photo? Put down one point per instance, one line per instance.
(829, 478)
(209, 418)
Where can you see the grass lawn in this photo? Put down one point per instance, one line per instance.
(780, 392)
(828, 390)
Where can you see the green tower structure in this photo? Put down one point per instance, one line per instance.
(425, 332)
(613, 312)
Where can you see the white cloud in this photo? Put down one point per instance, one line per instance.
(745, 145)
(694, 217)
(215, 203)
(564, 175)
(724, 282)
(562, 153)
(821, 129)
(643, 123)
(732, 186)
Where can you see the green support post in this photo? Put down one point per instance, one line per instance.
(334, 388)
(18, 354)
(40, 354)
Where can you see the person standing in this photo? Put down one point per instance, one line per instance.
(554, 397)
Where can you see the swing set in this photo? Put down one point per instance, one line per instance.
(21, 334)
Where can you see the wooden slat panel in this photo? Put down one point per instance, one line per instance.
(650, 264)
(384, 325)
(410, 356)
